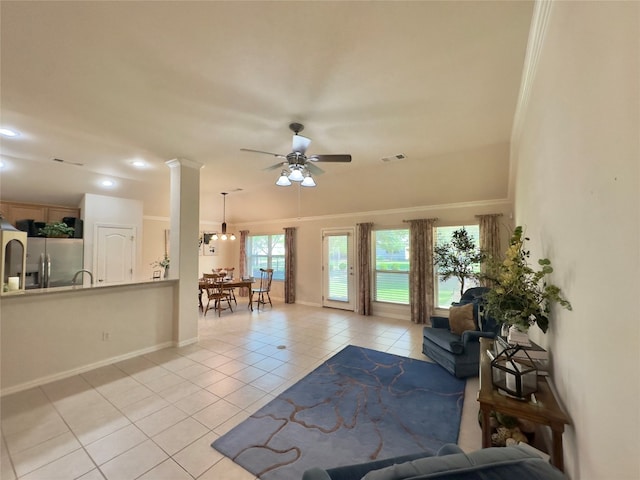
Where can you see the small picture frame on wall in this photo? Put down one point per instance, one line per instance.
(209, 246)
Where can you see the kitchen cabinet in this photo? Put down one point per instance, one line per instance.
(38, 212)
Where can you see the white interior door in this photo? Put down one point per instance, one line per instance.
(115, 248)
(337, 269)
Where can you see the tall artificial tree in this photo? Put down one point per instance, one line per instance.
(458, 258)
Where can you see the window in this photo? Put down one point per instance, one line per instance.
(266, 251)
(448, 291)
(391, 280)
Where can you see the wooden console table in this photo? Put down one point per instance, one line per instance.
(545, 412)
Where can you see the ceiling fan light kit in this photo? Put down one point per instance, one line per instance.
(298, 167)
(223, 234)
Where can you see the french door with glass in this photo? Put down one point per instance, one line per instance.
(338, 277)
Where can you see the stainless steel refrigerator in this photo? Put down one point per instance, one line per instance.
(52, 262)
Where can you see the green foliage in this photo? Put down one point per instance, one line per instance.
(520, 295)
(58, 229)
(458, 258)
(164, 263)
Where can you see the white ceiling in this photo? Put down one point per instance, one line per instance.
(104, 83)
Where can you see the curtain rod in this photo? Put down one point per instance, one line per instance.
(423, 219)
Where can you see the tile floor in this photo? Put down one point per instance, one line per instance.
(153, 417)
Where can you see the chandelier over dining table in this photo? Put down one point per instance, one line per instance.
(223, 234)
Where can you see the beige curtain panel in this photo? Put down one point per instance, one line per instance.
(290, 265)
(421, 288)
(489, 239)
(363, 246)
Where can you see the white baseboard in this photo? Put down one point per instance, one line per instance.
(85, 368)
(185, 343)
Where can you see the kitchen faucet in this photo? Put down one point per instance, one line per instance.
(73, 282)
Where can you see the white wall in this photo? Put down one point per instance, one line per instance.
(577, 193)
(101, 209)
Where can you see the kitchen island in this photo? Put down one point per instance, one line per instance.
(48, 334)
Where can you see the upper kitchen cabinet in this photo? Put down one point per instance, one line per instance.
(13, 211)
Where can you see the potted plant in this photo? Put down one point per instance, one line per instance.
(56, 230)
(164, 264)
(521, 295)
(458, 258)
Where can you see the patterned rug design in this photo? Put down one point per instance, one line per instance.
(359, 405)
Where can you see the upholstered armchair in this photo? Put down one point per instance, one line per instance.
(454, 342)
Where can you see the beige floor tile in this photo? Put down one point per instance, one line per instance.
(216, 413)
(196, 401)
(194, 371)
(145, 407)
(232, 367)
(161, 420)
(182, 434)
(96, 428)
(225, 386)
(199, 456)
(207, 379)
(73, 465)
(134, 462)
(131, 395)
(227, 470)
(167, 470)
(103, 375)
(164, 382)
(35, 457)
(94, 474)
(245, 396)
(178, 364)
(48, 428)
(28, 419)
(179, 391)
(268, 382)
(115, 443)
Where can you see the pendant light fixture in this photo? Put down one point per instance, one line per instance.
(223, 235)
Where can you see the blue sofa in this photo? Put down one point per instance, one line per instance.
(459, 354)
(450, 463)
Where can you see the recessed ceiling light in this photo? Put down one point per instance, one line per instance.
(139, 163)
(1, 164)
(8, 133)
(107, 183)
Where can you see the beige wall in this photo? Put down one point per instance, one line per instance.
(577, 193)
(309, 241)
(47, 336)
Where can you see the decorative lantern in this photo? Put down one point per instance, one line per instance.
(512, 370)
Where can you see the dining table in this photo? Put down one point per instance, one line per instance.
(229, 283)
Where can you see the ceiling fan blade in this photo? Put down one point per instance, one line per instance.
(277, 166)
(330, 158)
(313, 170)
(279, 155)
(300, 143)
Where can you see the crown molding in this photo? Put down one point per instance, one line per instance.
(537, 34)
(394, 211)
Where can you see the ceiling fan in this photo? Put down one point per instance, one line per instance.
(298, 167)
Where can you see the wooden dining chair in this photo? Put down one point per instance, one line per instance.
(216, 292)
(266, 275)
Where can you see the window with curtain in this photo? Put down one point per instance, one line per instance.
(266, 251)
(448, 291)
(391, 279)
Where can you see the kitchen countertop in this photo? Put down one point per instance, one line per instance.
(73, 288)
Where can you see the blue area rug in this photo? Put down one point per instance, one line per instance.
(358, 406)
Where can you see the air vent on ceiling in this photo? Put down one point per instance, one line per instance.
(394, 158)
(60, 160)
